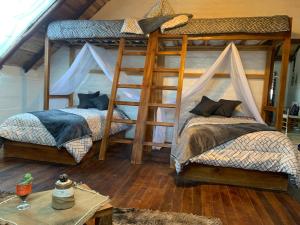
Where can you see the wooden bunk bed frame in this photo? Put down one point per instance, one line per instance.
(203, 173)
(44, 153)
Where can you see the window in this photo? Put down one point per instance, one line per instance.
(16, 17)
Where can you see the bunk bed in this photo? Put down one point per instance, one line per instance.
(270, 30)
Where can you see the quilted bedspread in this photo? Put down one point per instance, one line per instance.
(27, 128)
(263, 150)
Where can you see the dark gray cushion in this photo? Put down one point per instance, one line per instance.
(84, 100)
(149, 25)
(226, 107)
(100, 102)
(206, 107)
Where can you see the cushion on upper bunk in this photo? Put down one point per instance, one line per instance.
(206, 107)
(226, 107)
(84, 100)
(131, 26)
(100, 102)
(161, 8)
(177, 21)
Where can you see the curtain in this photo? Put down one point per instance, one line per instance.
(90, 56)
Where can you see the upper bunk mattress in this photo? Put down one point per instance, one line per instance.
(247, 25)
(85, 29)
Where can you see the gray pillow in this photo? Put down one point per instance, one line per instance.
(84, 100)
(205, 107)
(100, 102)
(226, 107)
(152, 24)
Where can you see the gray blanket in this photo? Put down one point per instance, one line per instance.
(63, 126)
(198, 139)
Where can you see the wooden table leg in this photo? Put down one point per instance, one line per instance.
(104, 220)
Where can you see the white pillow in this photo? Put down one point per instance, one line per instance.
(131, 26)
(175, 22)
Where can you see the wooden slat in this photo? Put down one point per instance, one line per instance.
(163, 105)
(282, 83)
(123, 141)
(168, 53)
(166, 70)
(268, 80)
(164, 87)
(164, 124)
(47, 73)
(233, 176)
(140, 131)
(123, 121)
(133, 53)
(162, 145)
(134, 86)
(127, 103)
(269, 108)
(180, 84)
(109, 115)
(132, 70)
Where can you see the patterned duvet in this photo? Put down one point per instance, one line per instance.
(27, 128)
(263, 150)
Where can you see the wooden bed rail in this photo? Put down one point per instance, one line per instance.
(68, 97)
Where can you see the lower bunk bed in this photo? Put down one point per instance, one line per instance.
(258, 158)
(65, 136)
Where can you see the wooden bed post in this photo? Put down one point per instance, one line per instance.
(282, 84)
(71, 59)
(155, 96)
(268, 81)
(47, 72)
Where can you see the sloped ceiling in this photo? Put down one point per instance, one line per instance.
(29, 51)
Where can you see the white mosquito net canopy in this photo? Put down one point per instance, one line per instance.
(91, 56)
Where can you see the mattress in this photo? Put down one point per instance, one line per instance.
(86, 29)
(264, 150)
(89, 29)
(241, 25)
(28, 128)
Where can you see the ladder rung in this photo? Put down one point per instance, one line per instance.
(136, 86)
(162, 105)
(165, 87)
(132, 69)
(163, 124)
(166, 70)
(119, 140)
(134, 53)
(124, 121)
(127, 103)
(168, 53)
(163, 145)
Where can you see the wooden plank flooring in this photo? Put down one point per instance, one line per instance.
(151, 186)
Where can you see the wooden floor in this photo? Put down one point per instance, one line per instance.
(151, 186)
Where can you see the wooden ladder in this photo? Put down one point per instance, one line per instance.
(112, 102)
(144, 104)
(151, 68)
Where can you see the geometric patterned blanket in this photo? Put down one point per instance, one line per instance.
(264, 151)
(89, 29)
(28, 128)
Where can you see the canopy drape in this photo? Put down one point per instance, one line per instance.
(91, 56)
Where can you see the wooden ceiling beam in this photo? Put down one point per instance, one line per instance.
(31, 31)
(40, 54)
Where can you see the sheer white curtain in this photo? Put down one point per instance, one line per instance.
(229, 57)
(90, 56)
